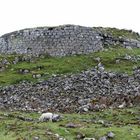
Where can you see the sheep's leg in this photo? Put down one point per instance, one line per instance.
(51, 119)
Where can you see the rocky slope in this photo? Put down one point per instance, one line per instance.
(90, 90)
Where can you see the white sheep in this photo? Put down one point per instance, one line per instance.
(49, 117)
(46, 117)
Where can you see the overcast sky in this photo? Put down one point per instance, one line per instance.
(20, 14)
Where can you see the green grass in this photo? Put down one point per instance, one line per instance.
(127, 34)
(123, 122)
(70, 64)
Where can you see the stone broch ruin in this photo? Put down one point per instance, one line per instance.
(59, 41)
(56, 41)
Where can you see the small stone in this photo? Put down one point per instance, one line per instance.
(85, 109)
(103, 138)
(72, 125)
(118, 61)
(89, 139)
(26, 71)
(101, 67)
(61, 139)
(107, 125)
(101, 121)
(2, 69)
(14, 62)
(122, 105)
(34, 76)
(129, 48)
(98, 59)
(49, 133)
(110, 135)
(38, 75)
(36, 138)
(80, 136)
(96, 107)
(128, 57)
(138, 136)
(57, 135)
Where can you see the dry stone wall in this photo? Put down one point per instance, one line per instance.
(55, 41)
(60, 41)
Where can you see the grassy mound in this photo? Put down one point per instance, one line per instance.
(71, 64)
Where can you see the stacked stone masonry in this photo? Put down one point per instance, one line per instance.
(58, 41)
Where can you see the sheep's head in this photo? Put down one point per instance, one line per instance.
(56, 117)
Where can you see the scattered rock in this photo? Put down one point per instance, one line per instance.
(117, 61)
(122, 105)
(89, 139)
(103, 138)
(138, 136)
(107, 125)
(72, 125)
(98, 59)
(24, 118)
(90, 90)
(2, 69)
(84, 108)
(24, 71)
(61, 139)
(110, 135)
(96, 107)
(57, 135)
(37, 76)
(101, 67)
(101, 121)
(129, 48)
(80, 136)
(36, 138)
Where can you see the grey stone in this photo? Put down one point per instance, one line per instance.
(80, 136)
(103, 138)
(98, 59)
(26, 71)
(110, 135)
(72, 125)
(118, 61)
(65, 38)
(36, 138)
(36, 76)
(89, 139)
(90, 90)
(129, 47)
(32, 41)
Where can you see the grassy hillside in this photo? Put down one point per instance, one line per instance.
(124, 123)
(72, 64)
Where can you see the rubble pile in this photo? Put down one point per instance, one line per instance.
(90, 90)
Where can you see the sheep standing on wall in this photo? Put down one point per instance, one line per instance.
(49, 117)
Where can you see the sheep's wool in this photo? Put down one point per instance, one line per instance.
(46, 116)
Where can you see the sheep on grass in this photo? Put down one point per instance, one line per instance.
(49, 117)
